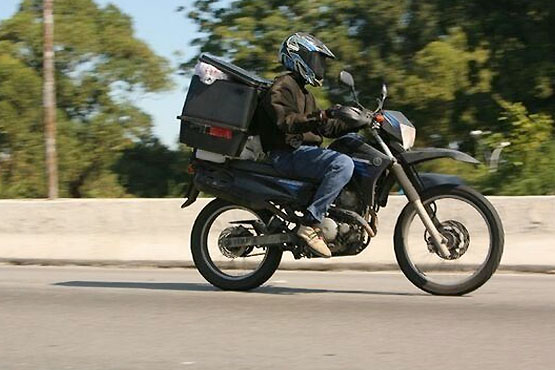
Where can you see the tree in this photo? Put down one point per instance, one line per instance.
(99, 65)
(151, 170)
(21, 133)
(446, 63)
(529, 160)
(397, 42)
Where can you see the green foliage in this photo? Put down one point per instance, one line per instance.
(529, 160)
(99, 63)
(20, 129)
(451, 67)
(150, 170)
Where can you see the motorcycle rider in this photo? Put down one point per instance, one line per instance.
(293, 130)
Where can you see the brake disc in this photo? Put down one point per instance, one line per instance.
(458, 239)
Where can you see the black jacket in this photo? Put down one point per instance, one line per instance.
(288, 117)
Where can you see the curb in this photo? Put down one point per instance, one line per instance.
(285, 266)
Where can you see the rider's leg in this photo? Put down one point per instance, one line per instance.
(332, 169)
(337, 174)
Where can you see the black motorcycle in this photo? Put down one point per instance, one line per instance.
(238, 239)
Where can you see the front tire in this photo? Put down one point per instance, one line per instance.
(213, 270)
(462, 274)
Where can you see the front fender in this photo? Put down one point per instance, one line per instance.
(427, 154)
(428, 180)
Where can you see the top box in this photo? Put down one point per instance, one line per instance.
(236, 73)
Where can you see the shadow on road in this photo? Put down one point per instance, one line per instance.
(199, 287)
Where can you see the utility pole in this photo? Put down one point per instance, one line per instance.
(49, 100)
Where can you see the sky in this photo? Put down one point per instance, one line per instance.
(165, 31)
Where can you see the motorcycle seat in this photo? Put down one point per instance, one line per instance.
(264, 168)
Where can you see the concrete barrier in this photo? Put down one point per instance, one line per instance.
(147, 230)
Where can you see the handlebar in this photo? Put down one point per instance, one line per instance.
(354, 115)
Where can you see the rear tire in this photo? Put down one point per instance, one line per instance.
(209, 270)
(491, 262)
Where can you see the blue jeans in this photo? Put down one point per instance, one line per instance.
(332, 169)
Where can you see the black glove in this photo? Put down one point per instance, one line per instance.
(331, 112)
(352, 117)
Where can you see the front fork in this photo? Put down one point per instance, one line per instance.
(439, 241)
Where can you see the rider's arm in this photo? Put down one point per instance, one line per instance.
(288, 118)
(334, 128)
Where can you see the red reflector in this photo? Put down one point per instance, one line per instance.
(220, 132)
(190, 169)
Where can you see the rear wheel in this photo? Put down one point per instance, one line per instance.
(475, 241)
(238, 268)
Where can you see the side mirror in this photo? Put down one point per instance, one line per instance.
(347, 79)
(382, 100)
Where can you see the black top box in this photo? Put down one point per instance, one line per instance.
(224, 103)
(211, 109)
(236, 73)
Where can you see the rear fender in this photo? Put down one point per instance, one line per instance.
(191, 196)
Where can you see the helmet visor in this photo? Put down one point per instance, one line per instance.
(317, 61)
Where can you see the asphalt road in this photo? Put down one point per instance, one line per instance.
(96, 318)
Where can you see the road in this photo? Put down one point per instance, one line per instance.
(98, 318)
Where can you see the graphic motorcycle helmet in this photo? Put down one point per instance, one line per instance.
(306, 55)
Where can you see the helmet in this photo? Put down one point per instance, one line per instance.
(306, 55)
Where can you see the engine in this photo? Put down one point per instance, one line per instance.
(343, 235)
(348, 199)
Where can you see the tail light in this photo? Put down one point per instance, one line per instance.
(220, 132)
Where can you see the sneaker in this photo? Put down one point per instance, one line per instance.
(314, 241)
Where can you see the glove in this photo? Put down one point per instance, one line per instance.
(351, 117)
(355, 120)
(331, 111)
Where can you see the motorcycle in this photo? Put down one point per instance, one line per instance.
(238, 239)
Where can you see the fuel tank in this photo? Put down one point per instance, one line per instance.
(370, 163)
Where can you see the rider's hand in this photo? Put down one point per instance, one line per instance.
(331, 112)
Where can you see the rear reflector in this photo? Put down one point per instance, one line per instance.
(220, 132)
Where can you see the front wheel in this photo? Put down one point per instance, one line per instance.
(475, 238)
(237, 268)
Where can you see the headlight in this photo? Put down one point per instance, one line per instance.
(408, 134)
